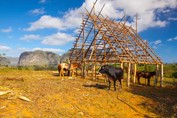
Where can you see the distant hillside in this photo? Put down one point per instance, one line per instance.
(38, 58)
(65, 56)
(4, 61)
(13, 60)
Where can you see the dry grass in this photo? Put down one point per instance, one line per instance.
(52, 96)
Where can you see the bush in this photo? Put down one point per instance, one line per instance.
(174, 75)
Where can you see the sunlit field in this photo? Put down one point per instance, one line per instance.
(29, 93)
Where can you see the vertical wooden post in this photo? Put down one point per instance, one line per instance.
(134, 74)
(94, 72)
(121, 65)
(84, 74)
(161, 76)
(83, 51)
(157, 74)
(128, 74)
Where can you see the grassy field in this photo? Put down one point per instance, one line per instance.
(43, 94)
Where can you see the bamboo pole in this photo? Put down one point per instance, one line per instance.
(128, 74)
(134, 74)
(121, 65)
(83, 51)
(161, 76)
(157, 74)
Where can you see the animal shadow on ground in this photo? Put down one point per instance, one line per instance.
(99, 86)
(164, 99)
(55, 74)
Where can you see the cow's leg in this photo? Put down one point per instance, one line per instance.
(61, 72)
(120, 84)
(114, 85)
(68, 72)
(109, 84)
(148, 81)
(138, 79)
(72, 72)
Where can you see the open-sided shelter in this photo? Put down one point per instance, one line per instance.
(104, 40)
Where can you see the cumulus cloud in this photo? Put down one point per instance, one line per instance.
(172, 19)
(44, 49)
(156, 44)
(4, 48)
(146, 10)
(57, 39)
(42, 1)
(9, 29)
(172, 39)
(30, 37)
(50, 49)
(46, 21)
(38, 11)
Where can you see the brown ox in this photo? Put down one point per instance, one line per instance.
(63, 67)
(146, 75)
(68, 67)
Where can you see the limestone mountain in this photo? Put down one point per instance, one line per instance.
(4, 61)
(65, 56)
(38, 58)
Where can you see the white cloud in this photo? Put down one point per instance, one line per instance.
(57, 39)
(42, 1)
(9, 29)
(172, 19)
(172, 39)
(147, 11)
(46, 21)
(44, 49)
(30, 37)
(50, 49)
(157, 42)
(38, 11)
(4, 48)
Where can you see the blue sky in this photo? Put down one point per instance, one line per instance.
(28, 25)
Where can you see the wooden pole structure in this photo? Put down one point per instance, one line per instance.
(137, 23)
(134, 74)
(83, 51)
(128, 74)
(161, 76)
(157, 74)
(121, 65)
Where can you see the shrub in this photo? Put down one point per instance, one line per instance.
(174, 75)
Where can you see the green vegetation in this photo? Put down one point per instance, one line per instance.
(170, 70)
(36, 68)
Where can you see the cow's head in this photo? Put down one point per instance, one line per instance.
(153, 73)
(103, 69)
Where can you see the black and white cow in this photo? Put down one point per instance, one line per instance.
(113, 74)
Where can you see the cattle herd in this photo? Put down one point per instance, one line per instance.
(113, 73)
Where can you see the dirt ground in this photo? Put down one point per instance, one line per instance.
(43, 94)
